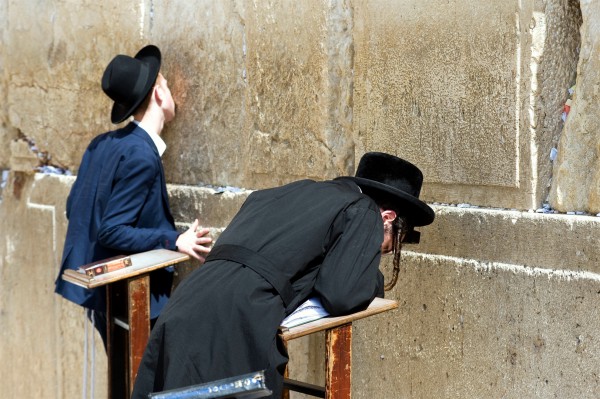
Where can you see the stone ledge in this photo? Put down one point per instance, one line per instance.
(212, 208)
(550, 241)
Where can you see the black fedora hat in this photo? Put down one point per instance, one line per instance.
(128, 80)
(395, 181)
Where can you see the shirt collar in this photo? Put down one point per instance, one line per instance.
(160, 144)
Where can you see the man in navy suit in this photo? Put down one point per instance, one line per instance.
(118, 204)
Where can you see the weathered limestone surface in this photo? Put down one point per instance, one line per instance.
(482, 330)
(470, 91)
(42, 335)
(263, 91)
(43, 332)
(203, 57)
(521, 317)
(521, 238)
(53, 94)
(6, 133)
(266, 96)
(493, 303)
(576, 181)
(515, 310)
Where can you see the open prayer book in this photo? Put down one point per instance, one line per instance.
(310, 310)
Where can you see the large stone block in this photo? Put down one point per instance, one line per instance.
(576, 180)
(266, 95)
(6, 133)
(474, 330)
(470, 92)
(203, 50)
(264, 90)
(42, 334)
(53, 93)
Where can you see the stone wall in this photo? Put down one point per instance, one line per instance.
(498, 300)
(576, 183)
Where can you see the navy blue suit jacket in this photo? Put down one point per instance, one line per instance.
(118, 205)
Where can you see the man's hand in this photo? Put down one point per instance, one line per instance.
(194, 242)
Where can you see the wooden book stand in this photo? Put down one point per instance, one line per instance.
(128, 319)
(128, 313)
(338, 347)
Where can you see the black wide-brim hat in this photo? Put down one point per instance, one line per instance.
(395, 181)
(128, 80)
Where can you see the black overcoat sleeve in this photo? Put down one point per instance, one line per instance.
(349, 277)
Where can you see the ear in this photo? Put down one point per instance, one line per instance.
(387, 215)
(158, 93)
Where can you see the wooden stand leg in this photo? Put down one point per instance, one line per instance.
(338, 362)
(285, 393)
(139, 322)
(117, 337)
(128, 318)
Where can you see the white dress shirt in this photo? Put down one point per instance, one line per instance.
(160, 144)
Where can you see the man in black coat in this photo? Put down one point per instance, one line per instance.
(286, 244)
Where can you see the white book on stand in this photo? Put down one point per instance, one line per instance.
(310, 310)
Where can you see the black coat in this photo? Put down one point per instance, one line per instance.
(322, 237)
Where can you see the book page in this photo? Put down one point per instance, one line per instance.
(310, 310)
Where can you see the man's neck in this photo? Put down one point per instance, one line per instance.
(153, 122)
(152, 119)
(161, 146)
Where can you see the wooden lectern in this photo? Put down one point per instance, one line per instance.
(128, 313)
(338, 348)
